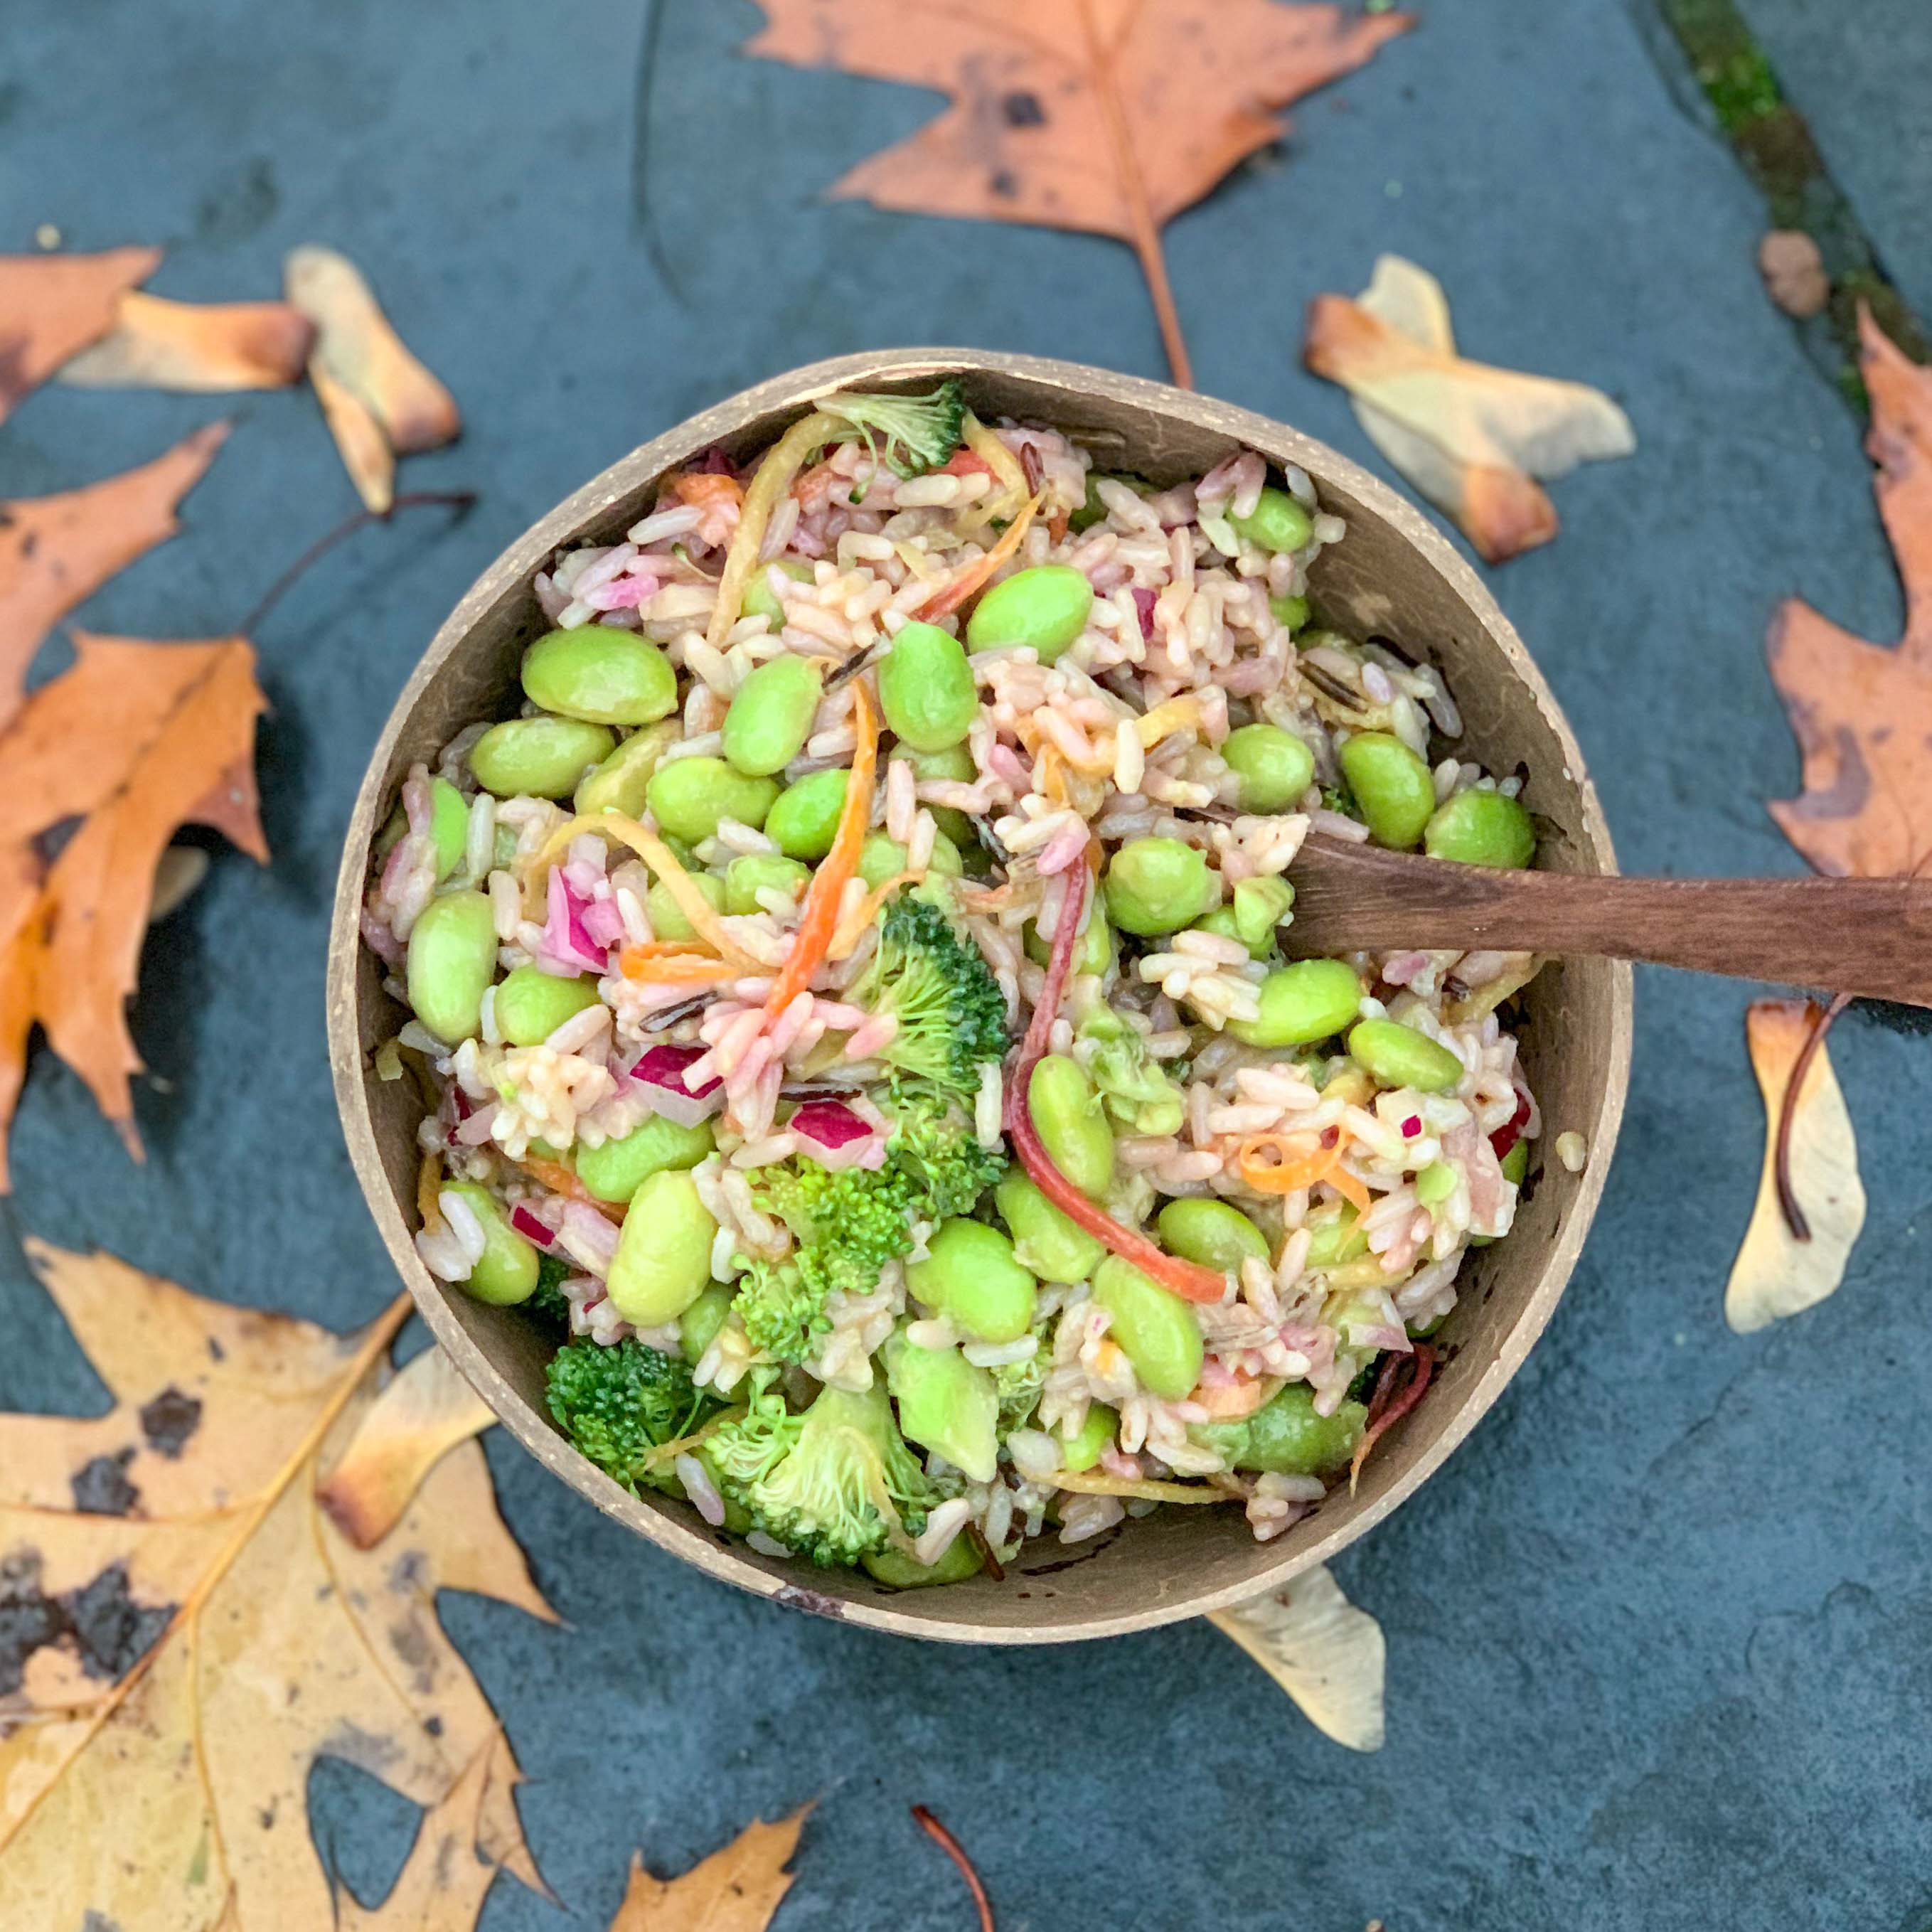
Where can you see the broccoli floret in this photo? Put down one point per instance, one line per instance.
(833, 1483)
(847, 1226)
(911, 433)
(934, 1150)
(1135, 1089)
(549, 1299)
(952, 1014)
(617, 1403)
(1018, 1386)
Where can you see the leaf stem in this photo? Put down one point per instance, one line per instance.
(956, 1851)
(1134, 190)
(461, 501)
(1822, 1017)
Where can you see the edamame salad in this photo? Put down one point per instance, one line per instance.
(850, 998)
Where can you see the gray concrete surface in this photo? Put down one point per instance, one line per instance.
(1660, 1635)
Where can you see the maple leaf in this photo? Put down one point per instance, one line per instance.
(1862, 713)
(1106, 116)
(52, 305)
(188, 1633)
(136, 739)
(737, 1889)
(56, 551)
(1808, 1133)
(1329, 1656)
(1472, 438)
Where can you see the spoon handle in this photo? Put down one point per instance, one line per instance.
(1869, 937)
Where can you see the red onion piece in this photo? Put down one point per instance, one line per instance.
(527, 1225)
(565, 940)
(1411, 1126)
(661, 1072)
(1144, 601)
(1507, 1135)
(838, 1136)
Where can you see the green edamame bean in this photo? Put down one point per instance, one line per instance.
(960, 1559)
(538, 758)
(1254, 910)
(1045, 607)
(688, 796)
(1309, 1001)
(1080, 1450)
(1212, 1233)
(1395, 1055)
(1154, 1327)
(668, 919)
(449, 826)
(970, 1275)
(1093, 510)
(926, 689)
(1291, 611)
(505, 1272)
(619, 784)
(1436, 1183)
(1158, 885)
(762, 601)
(600, 674)
(532, 1004)
(452, 959)
(1392, 786)
(804, 817)
(1094, 954)
(1044, 1240)
(1335, 1239)
(1277, 523)
(697, 1326)
(771, 714)
(1481, 828)
(946, 1405)
(1285, 1437)
(880, 856)
(752, 873)
(615, 1169)
(955, 763)
(1072, 1125)
(1272, 767)
(663, 1261)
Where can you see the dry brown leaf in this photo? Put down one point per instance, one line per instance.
(178, 874)
(53, 305)
(190, 1633)
(1862, 713)
(56, 551)
(1107, 116)
(157, 344)
(1471, 438)
(735, 1890)
(1777, 1274)
(135, 740)
(1327, 1654)
(423, 1415)
(379, 399)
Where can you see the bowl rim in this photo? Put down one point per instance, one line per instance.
(526, 554)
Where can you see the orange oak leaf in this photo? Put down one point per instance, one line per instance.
(737, 1889)
(136, 739)
(1108, 116)
(56, 551)
(157, 344)
(1861, 712)
(52, 305)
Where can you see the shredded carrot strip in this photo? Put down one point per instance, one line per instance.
(964, 462)
(663, 861)
(976, 575)
(1087, 1484)
(707, 488)
(559, 1179)
(1351, 1190)
(818, 921)
(683, 969)
(783, 461)
(1274, 1163)
(1049, 774)
(999, 462)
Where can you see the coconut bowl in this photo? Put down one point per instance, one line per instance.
(1395, 577)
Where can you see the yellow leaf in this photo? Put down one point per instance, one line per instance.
(423, 1415)
(202, 1634)
(1471, 438)
(735, 1890)
(1775, 1273)
(1327, 1654)
(196, 346)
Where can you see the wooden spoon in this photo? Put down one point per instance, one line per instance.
(1872, 937)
